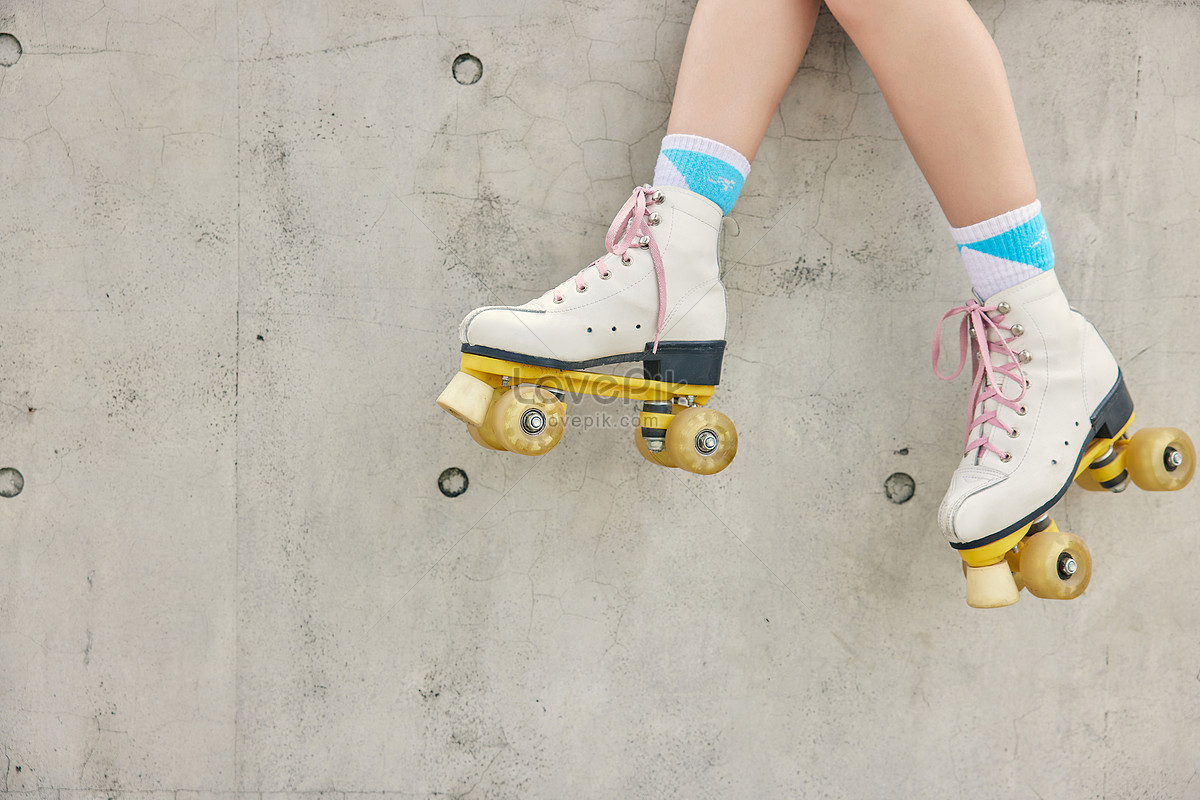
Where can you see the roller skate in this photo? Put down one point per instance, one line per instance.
(1048, 407)
(655, 297)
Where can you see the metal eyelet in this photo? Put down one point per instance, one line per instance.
(1025, 356)
(558, 300)
(1003, 308)
(657, 197)
(1007, 457)
(1017, 330)
(644, 241)
(625, 259)
(582, 289)
(655, 218)
(1022, 411)
(605, 275)
(1015, 433)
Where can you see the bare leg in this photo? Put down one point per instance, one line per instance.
(739, 59)
(945, 84)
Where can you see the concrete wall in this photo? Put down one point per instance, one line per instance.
(236, 239)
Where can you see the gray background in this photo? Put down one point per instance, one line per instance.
(236, 239)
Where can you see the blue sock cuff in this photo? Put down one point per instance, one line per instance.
(707, 175)
(1027, 243)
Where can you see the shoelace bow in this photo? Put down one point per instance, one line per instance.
(631, 228)
(978, 322)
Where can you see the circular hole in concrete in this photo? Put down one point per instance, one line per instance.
(10, 50)
(899, 487)
(11, 482)
(452, 482)
(467, 69)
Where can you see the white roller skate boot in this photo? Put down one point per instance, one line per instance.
(655, 296)
(657, 290)
(1045, 386)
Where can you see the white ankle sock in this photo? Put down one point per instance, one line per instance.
(704, 166)
(1003, 251)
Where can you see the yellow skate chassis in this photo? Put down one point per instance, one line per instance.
(498, 373)
(496, 398)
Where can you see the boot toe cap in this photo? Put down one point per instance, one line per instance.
(970, 512)
(514, 329)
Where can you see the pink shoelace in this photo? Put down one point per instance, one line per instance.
(978, 322)
(631, 228)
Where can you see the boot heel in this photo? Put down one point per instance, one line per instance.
(1112, 414)
(693, 363)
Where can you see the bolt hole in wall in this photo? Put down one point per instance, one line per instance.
(452, 482)
(11, 482)
(899, 487)
(10, 50)
(467, 69)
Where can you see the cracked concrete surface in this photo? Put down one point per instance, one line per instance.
(237, 239)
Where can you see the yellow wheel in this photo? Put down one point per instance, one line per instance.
(1160, 459)
(654, 458)
(701, 440)
(482, 434)
(1055, 565)
(484, 437)
(528, 420)
(1014, 563)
